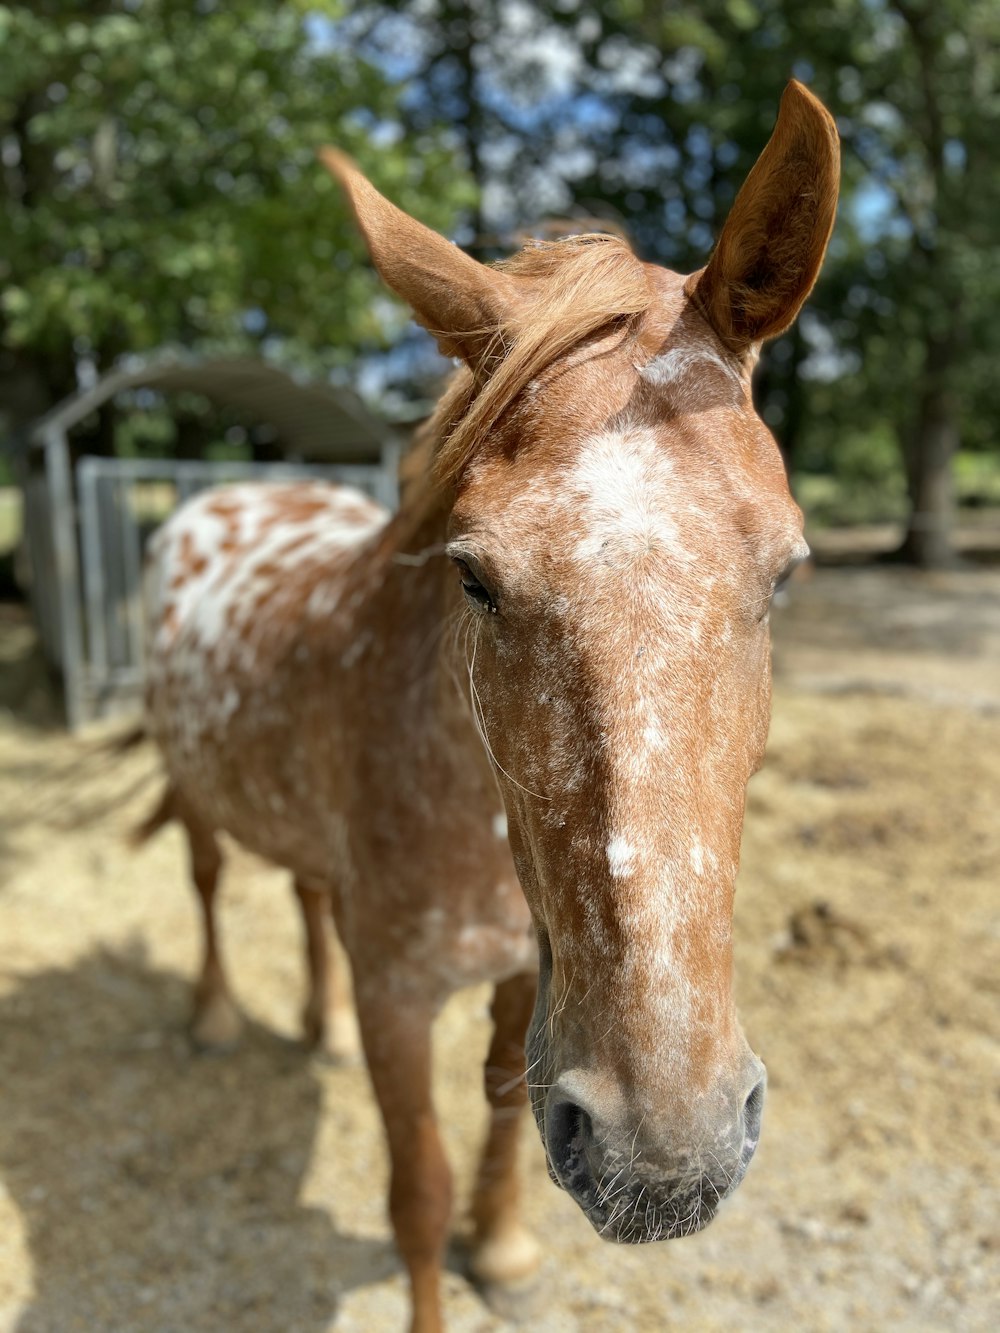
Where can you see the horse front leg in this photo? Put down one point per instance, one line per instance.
(396, 1033)
(503, 1249)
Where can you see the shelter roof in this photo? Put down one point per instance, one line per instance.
(314, 420)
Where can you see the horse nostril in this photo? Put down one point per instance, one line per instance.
(752, 1108)
(568, 1133)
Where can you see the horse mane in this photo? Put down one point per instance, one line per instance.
(574, 288)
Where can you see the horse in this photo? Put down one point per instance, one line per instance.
(505, 734)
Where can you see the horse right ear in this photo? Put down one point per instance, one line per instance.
(464, 304)
(773, 242)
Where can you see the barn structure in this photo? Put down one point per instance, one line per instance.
(86, 519)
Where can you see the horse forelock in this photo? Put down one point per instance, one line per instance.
(575, 288)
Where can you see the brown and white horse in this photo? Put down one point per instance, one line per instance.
(551, 668)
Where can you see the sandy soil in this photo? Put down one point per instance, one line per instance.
(145, 1188)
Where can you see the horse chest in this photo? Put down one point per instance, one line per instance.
(433, 886)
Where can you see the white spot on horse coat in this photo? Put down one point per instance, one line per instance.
(697, 858)
(677, 363)
(621, 858)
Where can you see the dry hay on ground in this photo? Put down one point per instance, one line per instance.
(147, 1189)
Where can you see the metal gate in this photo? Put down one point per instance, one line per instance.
(121, 502)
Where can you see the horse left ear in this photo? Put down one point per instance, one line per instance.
(774, 240)
(464, 304)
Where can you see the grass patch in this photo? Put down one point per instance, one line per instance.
(11, 518)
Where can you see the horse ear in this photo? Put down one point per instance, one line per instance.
(774, 240)
(464, 304)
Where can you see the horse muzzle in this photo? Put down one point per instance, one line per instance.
(635, 1190)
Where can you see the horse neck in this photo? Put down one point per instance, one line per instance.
(411, 601)
(412, 679)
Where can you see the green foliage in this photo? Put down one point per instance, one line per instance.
(865, 484)
(158, 432)
(860, 481)
(160, 181)
(653, 112)
(11, 516)
(977, 480)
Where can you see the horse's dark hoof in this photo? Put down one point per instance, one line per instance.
(520, 1302)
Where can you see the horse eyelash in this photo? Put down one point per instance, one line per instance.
(476, 591)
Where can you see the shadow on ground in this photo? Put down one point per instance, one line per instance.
(151, 1180)
(29, 690)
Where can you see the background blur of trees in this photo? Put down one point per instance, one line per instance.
(159, 186)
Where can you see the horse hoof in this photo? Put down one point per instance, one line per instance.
(217, 1025)
(516, 1302)
(335, 1038)
(510, 1256)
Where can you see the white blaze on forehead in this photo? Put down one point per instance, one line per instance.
(621, 857)
(621, 485)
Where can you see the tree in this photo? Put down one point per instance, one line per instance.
(644, 117)
(653, 113)
(926, 126)
(913, 268)
(159, 184)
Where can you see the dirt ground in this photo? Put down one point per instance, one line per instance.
(144, 1188)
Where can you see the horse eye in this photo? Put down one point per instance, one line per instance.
(473, 589)
(781, 582)
(783, 579)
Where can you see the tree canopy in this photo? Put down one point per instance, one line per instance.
(160, 185)
(652, 113)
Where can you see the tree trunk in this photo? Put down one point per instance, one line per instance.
(461, 21)
(929, 453)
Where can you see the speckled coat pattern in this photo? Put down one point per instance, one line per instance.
(299, 697)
